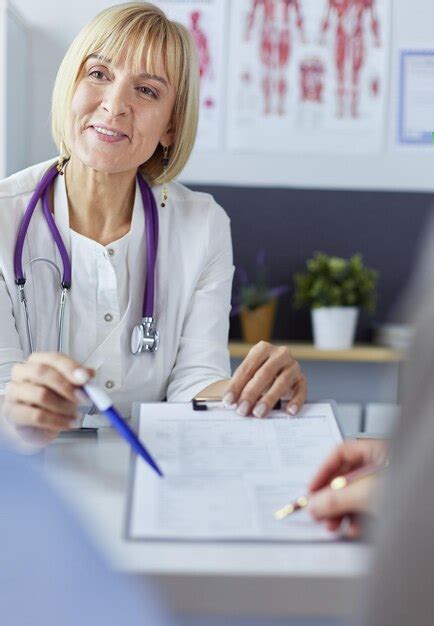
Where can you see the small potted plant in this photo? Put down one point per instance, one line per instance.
(256, 303)
(335, 290)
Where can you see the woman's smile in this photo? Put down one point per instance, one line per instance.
(106, 134)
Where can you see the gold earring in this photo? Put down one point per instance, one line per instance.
(165, 162)
(61, 162)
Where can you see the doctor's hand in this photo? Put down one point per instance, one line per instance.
(267, 374)
(41, 398)
(358, 498)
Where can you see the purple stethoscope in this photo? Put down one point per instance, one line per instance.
(144, 337)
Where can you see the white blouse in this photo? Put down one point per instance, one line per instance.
(192, 297)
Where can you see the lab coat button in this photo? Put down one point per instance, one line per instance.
(111, 251)
(109, 384)
(108, 317)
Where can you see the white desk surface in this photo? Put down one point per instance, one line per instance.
(202, 578)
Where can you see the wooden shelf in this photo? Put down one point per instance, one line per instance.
(361, 353)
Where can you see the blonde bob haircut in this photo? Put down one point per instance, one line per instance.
(144, 33)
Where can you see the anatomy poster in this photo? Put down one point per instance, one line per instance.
(205, 19)
(308, 75)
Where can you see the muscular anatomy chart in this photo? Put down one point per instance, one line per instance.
(350, 47)
(275, 47)
(308, 75)
(205, 20)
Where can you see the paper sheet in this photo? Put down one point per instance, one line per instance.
(224, 476)
(416, 97)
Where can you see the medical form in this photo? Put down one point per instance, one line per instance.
(225, 475)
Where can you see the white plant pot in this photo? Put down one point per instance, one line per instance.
(334, 327)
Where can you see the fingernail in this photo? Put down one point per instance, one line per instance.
(243, 408)
(228, 400)
(80, 376)
(293, 409)
(81, 397)
(260, 410)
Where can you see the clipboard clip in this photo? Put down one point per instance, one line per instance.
(200, 404)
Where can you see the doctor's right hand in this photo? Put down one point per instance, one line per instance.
(42, 397)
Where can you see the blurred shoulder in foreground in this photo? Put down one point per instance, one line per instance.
(400, 590)
(50, 573)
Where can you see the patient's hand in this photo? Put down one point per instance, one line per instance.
(267, 374)
(332, 507)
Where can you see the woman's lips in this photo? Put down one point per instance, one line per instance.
(107, 138)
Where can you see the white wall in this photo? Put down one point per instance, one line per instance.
(55, 22)
(52, 25)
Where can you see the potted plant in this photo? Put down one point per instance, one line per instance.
(256, 303)
(335, 290)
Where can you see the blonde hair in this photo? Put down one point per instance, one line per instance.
(144, 32)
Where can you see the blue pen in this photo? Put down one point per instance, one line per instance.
(104, 404)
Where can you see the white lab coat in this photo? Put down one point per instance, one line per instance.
(192, 300)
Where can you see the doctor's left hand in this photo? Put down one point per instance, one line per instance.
(267, 374)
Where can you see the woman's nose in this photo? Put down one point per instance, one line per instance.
(116, 101)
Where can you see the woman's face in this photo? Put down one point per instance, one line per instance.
(117, 117)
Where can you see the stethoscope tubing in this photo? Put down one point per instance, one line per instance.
(24, 226)
(67, 270)
(42, 193)
(152, 242)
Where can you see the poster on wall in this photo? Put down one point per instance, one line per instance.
(205, 19)
(308, 76)
(416, 97)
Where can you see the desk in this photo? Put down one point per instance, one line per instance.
(202, 578)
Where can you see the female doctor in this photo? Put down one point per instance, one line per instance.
(83, 291)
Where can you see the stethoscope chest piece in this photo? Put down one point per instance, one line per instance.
(145, 338)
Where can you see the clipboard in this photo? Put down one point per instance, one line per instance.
(140, 505)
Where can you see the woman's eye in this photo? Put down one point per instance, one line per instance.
(147, 91)
(97, 74)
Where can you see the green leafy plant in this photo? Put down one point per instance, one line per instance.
(332, 281)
